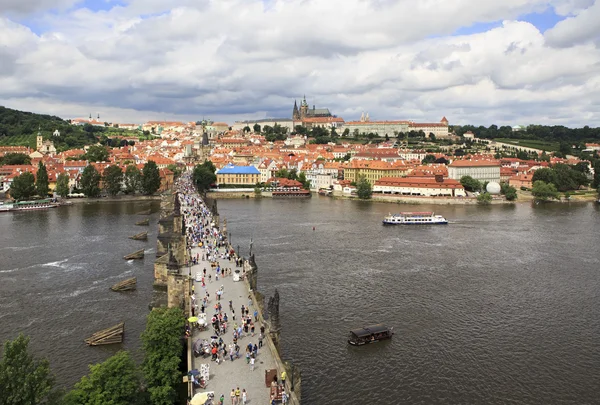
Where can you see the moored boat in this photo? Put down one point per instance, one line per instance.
(5, 207)
(33, 205)
(414, 218)
(370, 334)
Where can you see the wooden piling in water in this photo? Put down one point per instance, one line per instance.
(140, 236)
(107, 336)
(135, 255)
(125, 285)
(145, 222)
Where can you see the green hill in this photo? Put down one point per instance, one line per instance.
(20, 128)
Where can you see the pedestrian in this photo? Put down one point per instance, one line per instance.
(232, 395)
(222, 399)
(255, 315)
(252, 329)
(283, 377)
(284, 397)
(251, 363)
(260, 339)
(238, 393)
(244, 396)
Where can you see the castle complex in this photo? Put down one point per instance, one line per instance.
(304, 112)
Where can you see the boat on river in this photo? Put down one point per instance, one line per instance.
(415, 218)
(370, 334)
(5, 207)
(32, 205)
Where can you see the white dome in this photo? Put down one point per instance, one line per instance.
(493, 187)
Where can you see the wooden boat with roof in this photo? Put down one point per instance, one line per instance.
(370, 334)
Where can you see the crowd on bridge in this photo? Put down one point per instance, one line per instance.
(207, 245)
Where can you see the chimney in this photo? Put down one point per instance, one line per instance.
(439, 178)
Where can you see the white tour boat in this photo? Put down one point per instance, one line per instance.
(414, 218)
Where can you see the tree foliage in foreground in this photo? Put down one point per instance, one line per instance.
(204, 176)
(90, 181)
(484, 198)
(470, 184)
(22, 186)
(133, 179)
(162, 345)
(116, 381)
(62, 185)
(41, 180)
(364, 190)
(544, 191)
(150, 178)
(25, 380)
(113, 176)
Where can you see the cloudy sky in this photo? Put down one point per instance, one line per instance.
(473, 61)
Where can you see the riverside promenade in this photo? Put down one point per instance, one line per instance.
(226, 375)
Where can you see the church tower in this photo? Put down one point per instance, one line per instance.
(295, 112)
(303, 108)
(39, 139)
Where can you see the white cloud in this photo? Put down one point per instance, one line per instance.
(229, 59)
(583, 27)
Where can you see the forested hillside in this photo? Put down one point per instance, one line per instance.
(21, 128)
(556, 133)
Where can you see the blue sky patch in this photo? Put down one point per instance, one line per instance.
(543, 21)
(477, 28)
(100, 5)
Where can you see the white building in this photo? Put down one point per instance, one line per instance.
(419, 186)
(482, 170)
(320, 180)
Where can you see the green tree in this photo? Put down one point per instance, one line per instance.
(41, 180)
(364, 190)
(346, 132)
(162, 346)
(484, 198)
(97, 153)
(544, 191)
(246, 129)
(22, 186)
(115, 381)
(25, 380)
(62, 185)
(90, 181)
(150, 178)
(302, 179)
(175, 169)
(203, 177)
(15, 159)
(133, 179)
(113, 177)
(470, 184)
(256, 128)
(428, 159)
(544, 174)
(258, 190)
(510, 193)
(282, 173)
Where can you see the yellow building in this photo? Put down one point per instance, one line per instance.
(238, 175)
(373, 170)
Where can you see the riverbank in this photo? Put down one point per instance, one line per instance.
(123, 198)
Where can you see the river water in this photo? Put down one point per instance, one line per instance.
(56, 270)
(499, 307)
